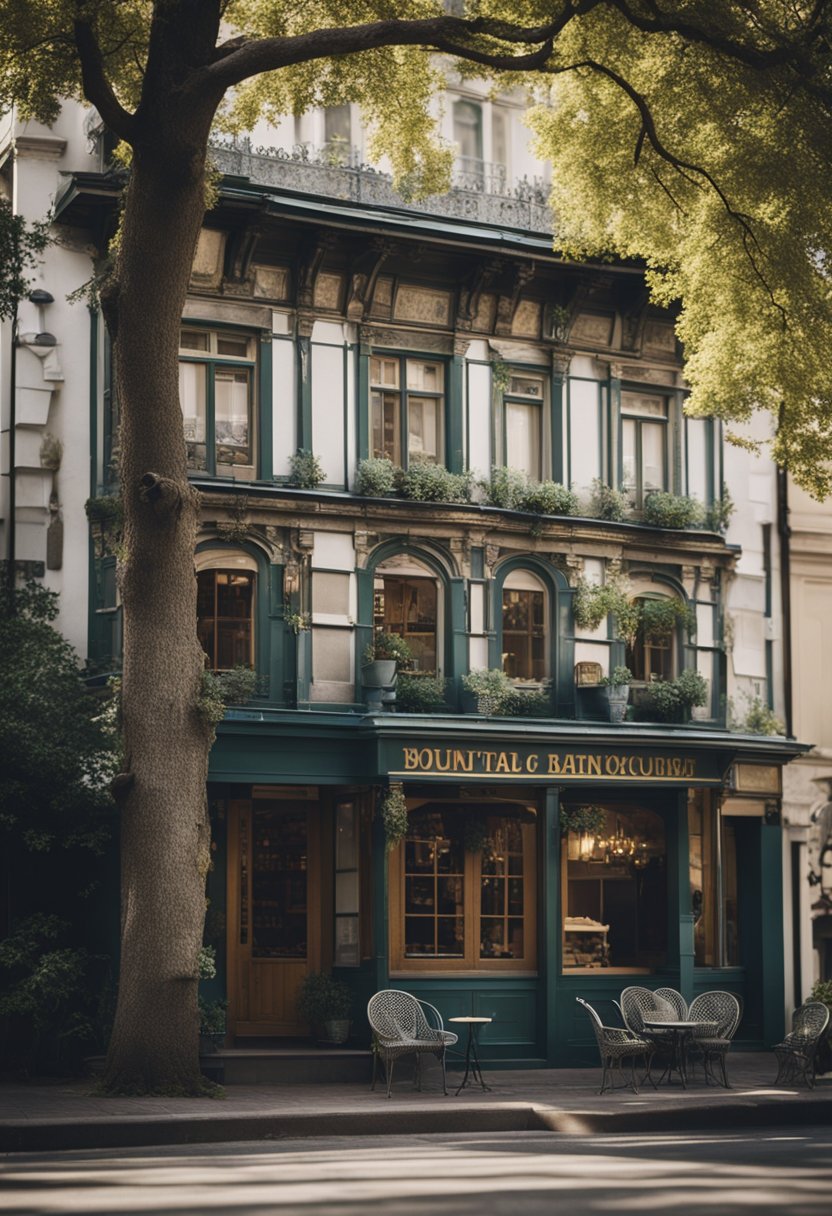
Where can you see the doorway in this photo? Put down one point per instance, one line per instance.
(274, 913)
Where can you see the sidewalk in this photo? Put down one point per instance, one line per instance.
(69, 1116)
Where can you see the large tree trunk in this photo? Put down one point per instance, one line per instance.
(164, 822)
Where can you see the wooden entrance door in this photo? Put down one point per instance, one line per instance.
(274, 921)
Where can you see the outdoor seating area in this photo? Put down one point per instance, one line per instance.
(401, 1027)
(660, 1028)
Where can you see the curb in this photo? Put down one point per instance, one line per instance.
(140, 1131)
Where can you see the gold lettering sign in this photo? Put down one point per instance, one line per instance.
(585, 766)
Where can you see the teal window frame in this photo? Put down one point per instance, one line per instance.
(404, 393)
(639, 493)
(212, 362)
(508, 397)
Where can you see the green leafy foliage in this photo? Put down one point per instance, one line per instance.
(375, 477)
(672, 700)
(513, 490)
(20, 245)
(664, 510)
(393, 810)
(48, 995)
(322, 998)
(719, 513)
(427, 482)
(495, 695)
(418, 694)
(59, 745)
(608, 503)
(388, 646)
(590, 820)
(504, 488)
(660, 616)
(618, 677)
(305, 470)
(758, 718)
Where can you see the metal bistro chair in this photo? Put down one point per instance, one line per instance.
(674, 999)
(640, 1003)
(615, 1045)
(400, 1027)
(796, 1054)
(725, 1010)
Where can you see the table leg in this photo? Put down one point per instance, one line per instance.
(472, 1062)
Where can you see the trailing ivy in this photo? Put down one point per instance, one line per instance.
(393, 808)
(590, 820)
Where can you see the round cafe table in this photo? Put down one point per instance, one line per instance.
(677, 1033)
(472, 1059)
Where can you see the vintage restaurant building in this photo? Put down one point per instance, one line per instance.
(546, 856)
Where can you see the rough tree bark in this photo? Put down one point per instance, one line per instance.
(164, 821)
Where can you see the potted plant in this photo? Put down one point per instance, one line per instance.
(383, 658)
(324, 1003)
(672, 700)
(211, 1025)
(616, 691)
(485, 691)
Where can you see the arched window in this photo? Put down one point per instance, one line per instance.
(524, 652)
(225, 609)
(407, 600)
(652, 655)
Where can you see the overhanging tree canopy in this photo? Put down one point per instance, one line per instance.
(690, 134)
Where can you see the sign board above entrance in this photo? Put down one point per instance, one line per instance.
(554, 764)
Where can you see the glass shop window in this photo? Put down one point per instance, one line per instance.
(408, 606)
(615, 882)
(714, 887)
(463, 890)
(653, 653)
(225, 618)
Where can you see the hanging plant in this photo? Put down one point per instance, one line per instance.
(660, 617)
(393, 809)
(475, 834)
(590, 820)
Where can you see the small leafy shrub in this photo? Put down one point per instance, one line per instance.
(427, 482)
(420, 694)
(591, 820)
(505, 488)
(592, 602)
(664, 510)
(490, 687)
(388, 646)
(548, 498)
(375, 477)
(607, 503)
(393, 808)
(718, 515)
(671, 700)
(46, 994)
(521, 704)
(238, 685)
(618, 677)
(321, 998)
(758, 719)
(305, 470)
(212, 1016)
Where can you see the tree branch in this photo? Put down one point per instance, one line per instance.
(97, 88)
(237, 60)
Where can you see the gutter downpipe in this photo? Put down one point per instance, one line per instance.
(784, 532)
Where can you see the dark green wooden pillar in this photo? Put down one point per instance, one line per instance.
(560, 367)
(362, 404)
(549, 959)
(680, 956)
(771, 955)
(304, 404)
(455, 462)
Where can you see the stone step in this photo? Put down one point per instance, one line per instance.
(286, 1066)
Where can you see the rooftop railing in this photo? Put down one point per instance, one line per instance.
(479, 190)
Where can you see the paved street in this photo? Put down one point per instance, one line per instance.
(785, 1171)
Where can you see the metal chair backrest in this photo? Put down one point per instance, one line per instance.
(809, 1023)
(597, 1024)
(723, 1008)
(638, 1003)
(674, 998)
(397, 1016)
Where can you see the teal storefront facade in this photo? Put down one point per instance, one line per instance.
(657, 904)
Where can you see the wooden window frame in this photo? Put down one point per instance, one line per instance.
(637, 490)
(252, 575)
(533, 403)
(468, 963)
(213, 361)
(402, 394)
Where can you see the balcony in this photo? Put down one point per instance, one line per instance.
(479, 190)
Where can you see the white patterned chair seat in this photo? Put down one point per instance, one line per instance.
(400, 1027)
